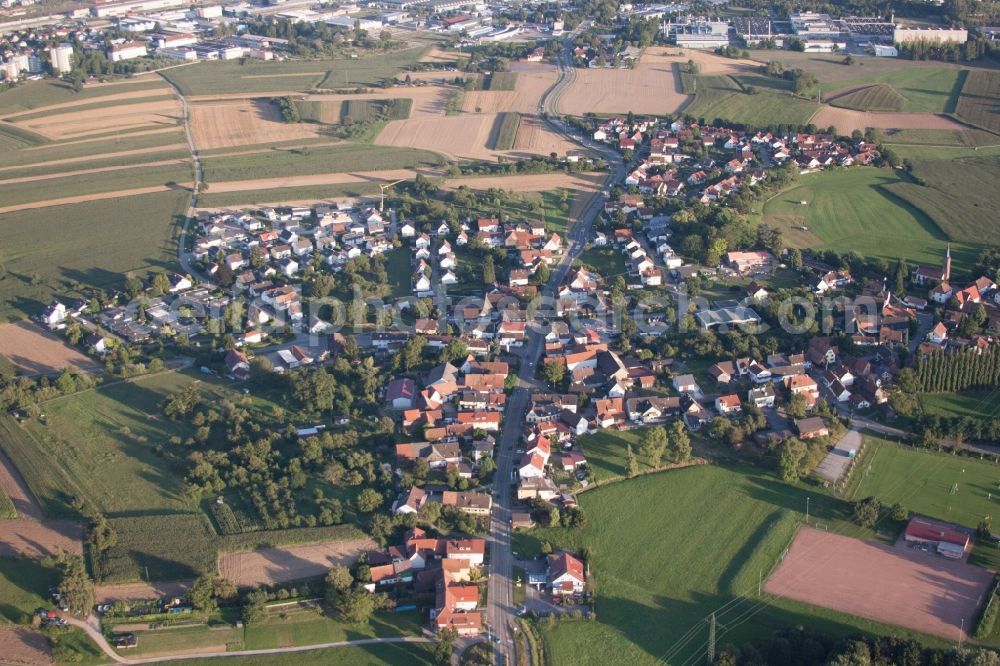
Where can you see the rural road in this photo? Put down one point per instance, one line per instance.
(500, 611)
(92, 628)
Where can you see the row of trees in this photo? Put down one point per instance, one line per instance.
(289, 111)
(954, 371)
(795, 646)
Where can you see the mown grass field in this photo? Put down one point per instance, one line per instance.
(13, 137)
(35, 94)
(978, 404)
(958, 195)
(92, 148)
(927, 86)
(375, 110)
(958, 138)
(397, 265)
(311, 111)
(172, 175)
(306, 626)
(285, 195)
(606, 451)
(877, 97)
(505, 131)
(113, 443)
(92, 243)
(555, 211)
(24, 587)
(7, 509)
(979, 99)
(855, 210)
(501, 81)
(49, 483)
(924, 89)
(292, 75)
(385, 654)
(725, 97)
(668, 549)
(607, 261)
(286, 624)
(306, 161)
(922, 481)
(151, 155)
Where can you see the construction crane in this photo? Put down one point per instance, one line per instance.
(382, 189)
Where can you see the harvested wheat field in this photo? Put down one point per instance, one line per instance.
(533, 79)
(24, 537)
(38, 352)
(79, 124)
(241, 123)
(708, 63)
(324, 179)
(22, 645)
(848, 120)
(280, 565)
(649, 88)
(458, 137)
(428, 101)
(534, 137)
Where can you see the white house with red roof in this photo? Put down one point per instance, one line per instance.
(566, 574)
(532, 465)
(728, 404)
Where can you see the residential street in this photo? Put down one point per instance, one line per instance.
(500, 613)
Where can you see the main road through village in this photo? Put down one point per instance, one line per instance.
(500, 612)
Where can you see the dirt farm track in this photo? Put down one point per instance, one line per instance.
(892, 584)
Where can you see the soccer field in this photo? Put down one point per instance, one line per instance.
(956, 489)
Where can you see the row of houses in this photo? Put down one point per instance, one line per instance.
(439, 566)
